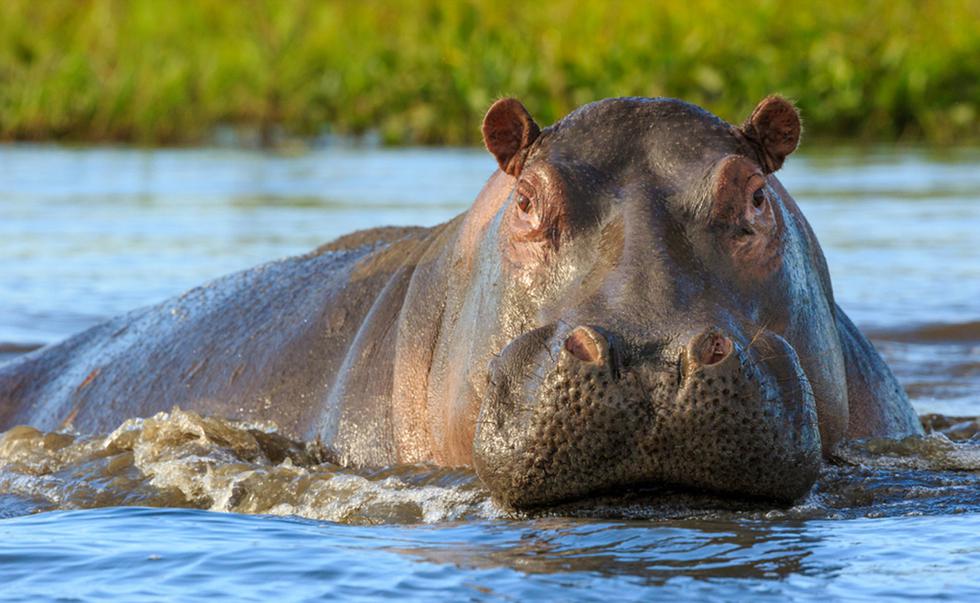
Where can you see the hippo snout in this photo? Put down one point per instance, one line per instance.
(575, 413)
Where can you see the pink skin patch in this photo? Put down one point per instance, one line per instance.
(583, 344)
(714, 348)
(743, 208)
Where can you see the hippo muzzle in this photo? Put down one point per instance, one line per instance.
(575, 415)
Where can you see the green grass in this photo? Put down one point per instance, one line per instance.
(425, 71)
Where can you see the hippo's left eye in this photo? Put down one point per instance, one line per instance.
(759, 197)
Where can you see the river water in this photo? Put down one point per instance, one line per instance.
(180, 506)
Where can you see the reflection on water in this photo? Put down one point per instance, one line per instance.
(87, 234)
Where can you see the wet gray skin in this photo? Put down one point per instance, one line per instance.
(633, 300)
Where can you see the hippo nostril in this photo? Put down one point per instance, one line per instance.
(585, 344)
(712, 348)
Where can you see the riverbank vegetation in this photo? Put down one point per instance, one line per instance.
(424, 71)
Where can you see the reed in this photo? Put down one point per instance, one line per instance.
(424, 71)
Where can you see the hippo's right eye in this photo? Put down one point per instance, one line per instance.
(524, 197)
(523, 202)
(536, 217)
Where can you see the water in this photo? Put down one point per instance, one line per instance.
(89, 233)
(251, 558)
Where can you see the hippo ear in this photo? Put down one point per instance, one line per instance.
(508, 130)
(773, 129)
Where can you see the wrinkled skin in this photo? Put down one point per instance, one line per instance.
(633, 299)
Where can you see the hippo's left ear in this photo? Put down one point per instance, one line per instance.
(508, 131)
(773, 129)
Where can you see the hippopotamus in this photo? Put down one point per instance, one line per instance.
(633, 300)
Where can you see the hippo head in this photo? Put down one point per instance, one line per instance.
(652, 307)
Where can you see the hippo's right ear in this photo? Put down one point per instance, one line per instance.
(508, 131)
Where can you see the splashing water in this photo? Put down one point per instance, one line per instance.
(181, 459)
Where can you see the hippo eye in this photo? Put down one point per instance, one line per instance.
(523, 202)
(523, 197)
(538, 215)
(758, 198)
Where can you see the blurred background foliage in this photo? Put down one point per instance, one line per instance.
(425, 71)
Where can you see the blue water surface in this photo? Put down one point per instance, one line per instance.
(138, 554)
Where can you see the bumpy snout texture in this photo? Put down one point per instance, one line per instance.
(570, 419)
